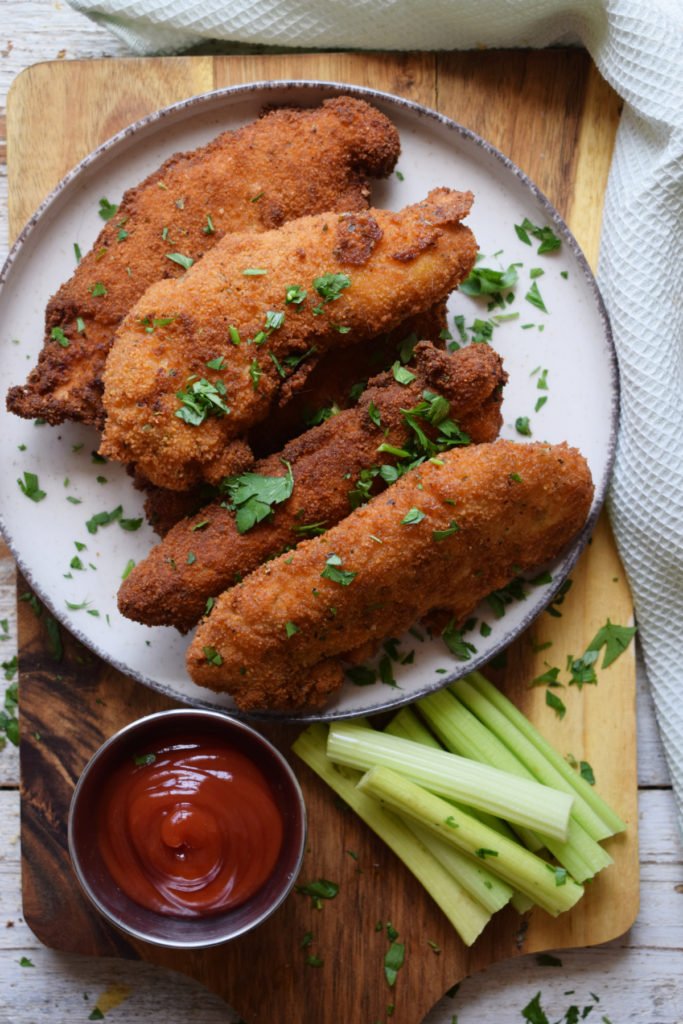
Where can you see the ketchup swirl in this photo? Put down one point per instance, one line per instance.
(189, 829)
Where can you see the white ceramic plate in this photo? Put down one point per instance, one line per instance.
(569, 348)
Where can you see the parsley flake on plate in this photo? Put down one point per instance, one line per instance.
(29, 486)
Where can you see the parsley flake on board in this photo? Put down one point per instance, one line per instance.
(393, 961)
(615, 639)
(322, 889)
(251, 496)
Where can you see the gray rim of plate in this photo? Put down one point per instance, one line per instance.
(324, 90)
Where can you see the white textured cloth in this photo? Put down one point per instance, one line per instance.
(638, 47)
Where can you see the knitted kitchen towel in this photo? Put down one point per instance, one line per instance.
(638, 48)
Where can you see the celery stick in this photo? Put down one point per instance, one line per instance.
(483, 885)
(521, 903)
(467, 915)
(537, 764)
(513, 863)
(464, 734)
(466, 737)
(519, 801)
(405, 723)
(579, 784)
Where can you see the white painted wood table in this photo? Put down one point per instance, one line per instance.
(635, 978)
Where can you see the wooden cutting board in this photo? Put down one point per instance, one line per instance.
(552, 114)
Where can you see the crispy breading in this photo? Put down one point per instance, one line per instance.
(334, 383)
(205, 554)
(230, 329)
(335, 380)
(290, 162)
(442, 536)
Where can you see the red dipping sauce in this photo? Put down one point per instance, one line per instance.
(189, 829)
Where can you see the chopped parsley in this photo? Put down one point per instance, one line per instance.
(330, 286)
(58, 335)
(332, 571)
(201, 398)
(212, 656)
(534, 297)
(251, 496)
(462, 649)
(412, 516)
(548, 239)
(107, 210)
(255, 372)
(29, 487)
(448, 532)
(295, 295)
(322, 889)
(177, 257)
(485, 281)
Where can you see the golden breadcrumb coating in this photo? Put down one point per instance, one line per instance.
(443, 536)
(288, 163)
(241, 324)
(205, 554)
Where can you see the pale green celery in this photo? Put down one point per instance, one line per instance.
(470, 739)
(584, 789)
(464, 734)
(467, 915)
(483, 885)
(406, 724)
(516, 865)
(537, 764)
(519, 801)
(521, 903)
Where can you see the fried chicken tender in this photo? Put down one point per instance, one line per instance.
(289, 163)
(334, 383)
(200, 360)
(205, 554)
(442, 536)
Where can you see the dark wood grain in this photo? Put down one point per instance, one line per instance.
(535, 106)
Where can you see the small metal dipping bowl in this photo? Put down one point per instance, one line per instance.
(160, 929)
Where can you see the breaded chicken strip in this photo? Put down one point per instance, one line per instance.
(205, 554)
(334, 383)
(200, 360)
(443, 536)
(289, 163)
